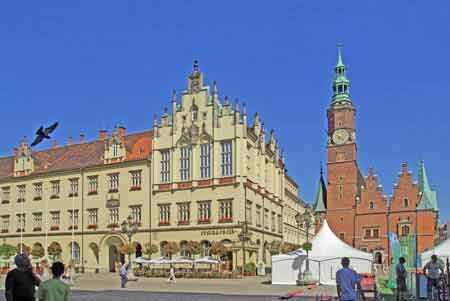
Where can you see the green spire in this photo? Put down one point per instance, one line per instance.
(429, 198)
(320, 204)
(341, 84)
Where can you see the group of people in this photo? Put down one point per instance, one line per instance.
(21, 282)
(348, 281)
(123, 273)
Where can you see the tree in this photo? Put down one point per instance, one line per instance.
(274, 247)
(54, 250)
(307, 246)
(218, 248)
(6, 251)
(37, 251)
(287, 247)
(195, 247)
(25, 249)
(150, 249)
(171, 248)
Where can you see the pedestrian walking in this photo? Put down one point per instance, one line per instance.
(172, 278)
(400, 271)
(54, 289)
(20, 282)
(433, 270)
(123, 273)
(348, 282)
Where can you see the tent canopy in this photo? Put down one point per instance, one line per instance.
(442, 250)
(326, 245)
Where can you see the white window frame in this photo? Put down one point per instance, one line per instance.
(226, 148)
(185, 163)
(165, 166)
(205, 161)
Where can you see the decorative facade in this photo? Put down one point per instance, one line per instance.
(355, 207)
(202, 173)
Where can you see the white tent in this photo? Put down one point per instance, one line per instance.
(285, 267)
(442, 250)
(327, 252)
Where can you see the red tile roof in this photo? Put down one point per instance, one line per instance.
(69, 157)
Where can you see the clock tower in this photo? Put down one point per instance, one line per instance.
(342, 170)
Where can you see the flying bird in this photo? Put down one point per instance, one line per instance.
(42, 133)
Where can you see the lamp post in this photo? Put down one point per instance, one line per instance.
(244, 236)
(129, 229)
(305, 220)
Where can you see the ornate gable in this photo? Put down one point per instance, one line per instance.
(23, 160)
(372, 199)
(115, 150)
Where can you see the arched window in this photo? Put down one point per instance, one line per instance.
(206, 245)
(371, 205)
(404, 230)
(184, 249)
(405, 202)
(75, 252)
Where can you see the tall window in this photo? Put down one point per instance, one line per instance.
(204, 211)
(371, 205)
(21, 190)
(20, 222)
(93, 216)
(184, 213)
(92, 184)
(5, 223)
(405, 202)
(280, 224)
(37, 191)
(273, 224)
(342, 236)
(113, 182)
(55, 189)
(227, 158)
(114, 216)
(165, 166)
(55, 218)
(225, 211)
(37, 221)
(248, 211)
(205, 161)
(164, 214)
(136, 179)
(206, 245)
(258, 216)
(5, 195)
(115, 149)
(73, 217)
(185, 163)
(73, 187)
(266, 218)
(136, 214)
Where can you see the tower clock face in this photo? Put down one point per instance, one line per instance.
(340, 136)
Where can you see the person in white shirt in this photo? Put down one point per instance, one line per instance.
(172, 278)
(433, 270)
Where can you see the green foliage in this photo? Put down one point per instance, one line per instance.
(54, 250)
(37, 251)
(195, 247)
(7, 251)
(150, 249)
(307, 246)
(250, 267)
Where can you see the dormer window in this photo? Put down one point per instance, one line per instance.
(115, 150)
(405, 202)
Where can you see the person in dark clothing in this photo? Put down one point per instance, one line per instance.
(20, 283)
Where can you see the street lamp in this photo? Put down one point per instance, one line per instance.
(129, 229)
(243, 236)
(305, 220)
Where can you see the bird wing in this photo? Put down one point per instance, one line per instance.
(51, 128)
(37, 140)
(39, 131)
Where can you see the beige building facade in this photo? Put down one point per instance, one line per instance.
(203, 173)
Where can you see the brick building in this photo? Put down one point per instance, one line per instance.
(355, 206)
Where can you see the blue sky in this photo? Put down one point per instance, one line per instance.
(91, 64)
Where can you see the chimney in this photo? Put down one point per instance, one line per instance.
(82, 138)
(54, 143)
(103, 134)
(70, 141)
(121, 130)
